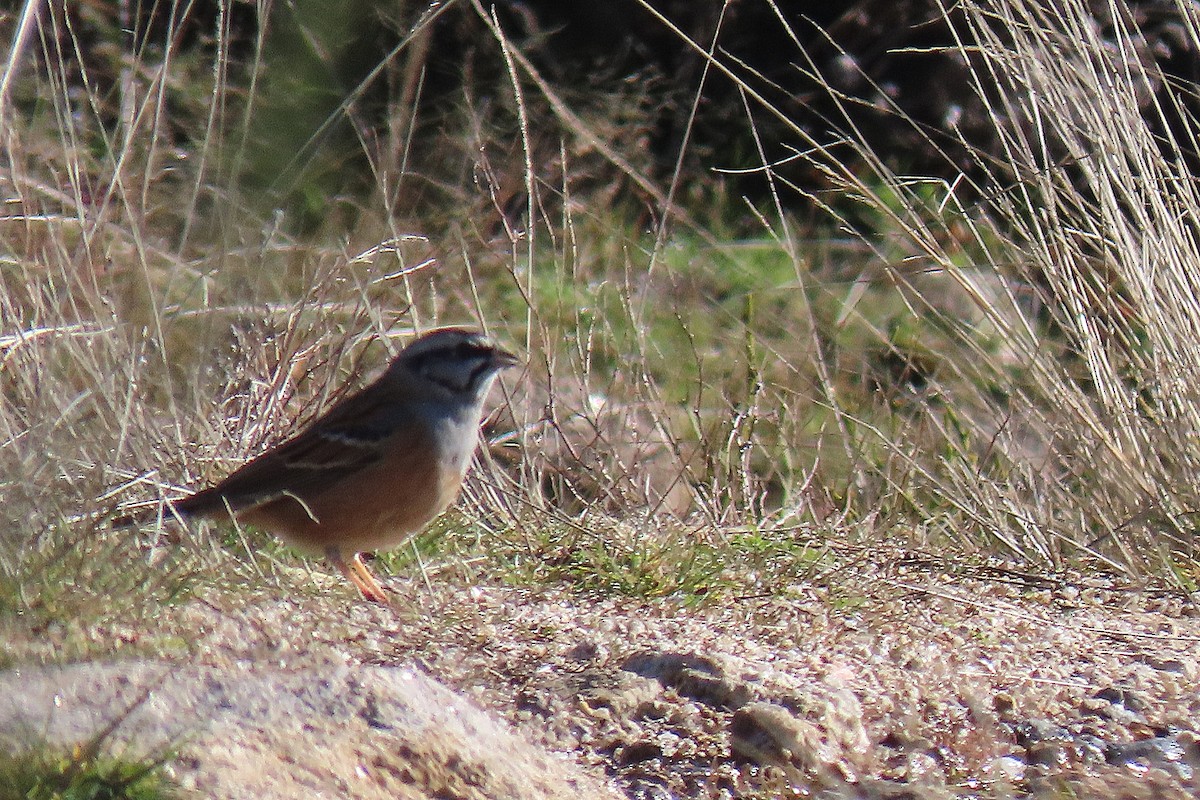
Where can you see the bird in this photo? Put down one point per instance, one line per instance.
(375, 468)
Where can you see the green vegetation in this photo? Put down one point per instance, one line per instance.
(43, 772)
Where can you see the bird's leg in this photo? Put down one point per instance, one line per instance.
(358, 574)
(368, 580)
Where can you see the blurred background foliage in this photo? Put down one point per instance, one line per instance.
(353, 97)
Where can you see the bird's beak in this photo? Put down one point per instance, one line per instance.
(504, 359)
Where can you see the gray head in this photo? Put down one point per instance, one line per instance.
(460, 360)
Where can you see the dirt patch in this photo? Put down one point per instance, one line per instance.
(918, 685)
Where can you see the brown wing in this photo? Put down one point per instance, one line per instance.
(347, 440)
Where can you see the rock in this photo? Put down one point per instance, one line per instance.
(256, 731)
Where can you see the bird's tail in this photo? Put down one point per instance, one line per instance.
(207, 503)
(156, 514)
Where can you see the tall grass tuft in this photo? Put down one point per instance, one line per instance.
(1054, 287)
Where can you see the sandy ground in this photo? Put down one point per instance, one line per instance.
(897, 682)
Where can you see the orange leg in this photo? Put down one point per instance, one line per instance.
(358, 574)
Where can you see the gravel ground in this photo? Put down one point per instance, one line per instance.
(893, 684)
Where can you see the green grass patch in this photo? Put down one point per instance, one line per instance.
(45, 772)
(612, 558)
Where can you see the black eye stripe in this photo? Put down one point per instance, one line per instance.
(463, 351)
(461, 366)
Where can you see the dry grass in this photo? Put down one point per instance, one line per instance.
(1004, 368)
(1065, 403)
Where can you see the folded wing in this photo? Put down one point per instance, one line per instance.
(349, 440)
